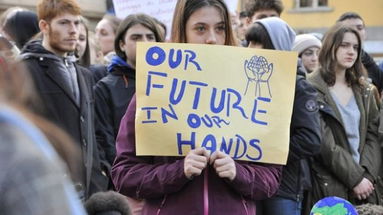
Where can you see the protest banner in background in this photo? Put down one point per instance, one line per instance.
(160, 9)
(236, 100)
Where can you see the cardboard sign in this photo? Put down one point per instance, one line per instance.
(236, 100)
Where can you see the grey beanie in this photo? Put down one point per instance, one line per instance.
(281, 34)
(305, 41)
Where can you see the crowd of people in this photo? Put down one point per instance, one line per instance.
(68, 108)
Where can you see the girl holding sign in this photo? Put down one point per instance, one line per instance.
(349, 162)
(200, 183)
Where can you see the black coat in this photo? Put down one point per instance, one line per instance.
(374, 73)
(113, 94)
(98, 71)
(305, 140)
(60, 107)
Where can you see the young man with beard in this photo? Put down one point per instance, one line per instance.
(64, 87)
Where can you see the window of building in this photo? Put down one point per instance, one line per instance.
(311, 5)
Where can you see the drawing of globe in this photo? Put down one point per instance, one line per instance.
(333, 206)
(261, 63)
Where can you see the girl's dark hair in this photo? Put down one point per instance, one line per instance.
(258, 5)
(185, 8)
(129, 22)
(349, 15)
(85, 59)
(327, 56)
(257, 33)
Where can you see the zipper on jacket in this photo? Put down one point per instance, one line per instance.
(245, 205)
(162, 205)
(206, 192)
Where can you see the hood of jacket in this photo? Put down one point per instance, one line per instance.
(118, 66)
(281, 34)
(35, 49)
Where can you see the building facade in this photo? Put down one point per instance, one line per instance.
(93, 10)
(319, 15)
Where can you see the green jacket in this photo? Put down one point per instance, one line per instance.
(335, 172)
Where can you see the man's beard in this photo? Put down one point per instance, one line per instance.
(55, 43)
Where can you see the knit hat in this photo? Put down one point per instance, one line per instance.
(304, 41)
(281, 34)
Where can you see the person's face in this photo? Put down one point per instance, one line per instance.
(61, 33)
(358, 25)
(347, 52)
(136, 33)
(242, 27)
(81, 44)
(310, 58)
(206, 26)
(261, 14)
(105, 35)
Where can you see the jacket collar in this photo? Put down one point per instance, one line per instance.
(325, 98)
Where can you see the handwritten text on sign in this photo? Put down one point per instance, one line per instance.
(232, 99)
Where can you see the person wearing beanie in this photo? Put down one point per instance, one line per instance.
(15, 28)
(274, 33)
(308, 47)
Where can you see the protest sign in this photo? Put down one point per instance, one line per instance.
(236, 100)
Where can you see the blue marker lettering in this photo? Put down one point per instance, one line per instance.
(174, 64)
(165, 114)
(148, 114)
(253, 119)
(191, 59)
(226, 148)
(193, 120)
(197, 92)
(209, 138)
(155, 51)
(149, 81)
(253, 143)
(181, 142)
(236, 103)
(172, 98)
(221, 101)
(240, 141)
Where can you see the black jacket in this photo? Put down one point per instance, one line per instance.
(304, 140)
(60, 107)
(113, 94)
(374, 73)
(98, 71)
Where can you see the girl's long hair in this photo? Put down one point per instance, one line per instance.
(327, 56)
